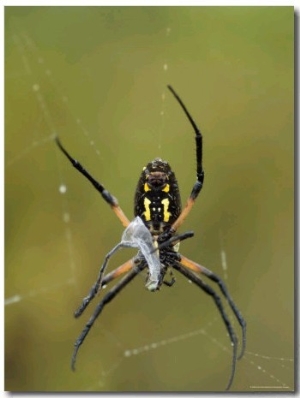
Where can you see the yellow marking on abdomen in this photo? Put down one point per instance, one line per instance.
(147, 213)
(165, 202)
(166, 188)
(146, 187)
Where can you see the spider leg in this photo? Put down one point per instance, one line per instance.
(207, 289)
(122, 269)
(215, 278)
(102, 281)
(200, 172)
(176, 238)
(108, 197)
(106, 299)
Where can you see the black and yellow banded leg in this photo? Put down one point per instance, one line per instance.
(122, 269)
(113, 292)
(215, 278)
(200, 172)
(218, 302)
(108, 197)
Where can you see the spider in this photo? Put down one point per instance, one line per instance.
(157, 208)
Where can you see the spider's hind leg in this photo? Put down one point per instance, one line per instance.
(217, 300)
(200, 269)
(115, 290)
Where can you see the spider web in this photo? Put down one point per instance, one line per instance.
(58, 230)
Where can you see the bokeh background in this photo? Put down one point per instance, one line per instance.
(97, 76)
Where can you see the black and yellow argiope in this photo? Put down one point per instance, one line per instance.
(157, 208)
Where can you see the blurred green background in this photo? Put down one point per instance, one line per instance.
(97, 76)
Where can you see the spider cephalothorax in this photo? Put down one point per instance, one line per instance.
(158, 215)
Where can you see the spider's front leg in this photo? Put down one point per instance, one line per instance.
(107, 196)
(200, 172)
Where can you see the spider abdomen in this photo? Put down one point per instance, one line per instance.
(157, 199)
